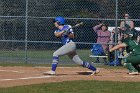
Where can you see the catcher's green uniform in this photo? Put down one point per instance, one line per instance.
(132, 61)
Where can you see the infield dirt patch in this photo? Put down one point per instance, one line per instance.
(18, 76)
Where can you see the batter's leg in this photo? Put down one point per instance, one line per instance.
(77, 60)
(65, 49)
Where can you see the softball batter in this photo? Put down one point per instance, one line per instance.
(68, 48)
(132, 61)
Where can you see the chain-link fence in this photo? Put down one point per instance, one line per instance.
(27, 29)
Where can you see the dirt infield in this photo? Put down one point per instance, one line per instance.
(17, 76)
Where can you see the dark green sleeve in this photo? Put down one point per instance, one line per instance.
(126, 41)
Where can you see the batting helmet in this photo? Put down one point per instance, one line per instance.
(60, 20)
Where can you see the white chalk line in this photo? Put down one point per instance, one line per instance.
(57, 67)
(49, 76)
(26, 78)
(14, 71)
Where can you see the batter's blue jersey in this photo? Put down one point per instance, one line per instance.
(64, 38)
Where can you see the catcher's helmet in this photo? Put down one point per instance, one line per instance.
(132, 33)
(60, 20)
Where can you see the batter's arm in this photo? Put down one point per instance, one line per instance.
(71, 35)
(59, 34)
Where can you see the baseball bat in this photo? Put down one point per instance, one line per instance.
(77, 25)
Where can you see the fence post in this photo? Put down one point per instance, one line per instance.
(116, 30)
(26, 32)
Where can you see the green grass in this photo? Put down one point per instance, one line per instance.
(36, 53)
(77, 87)
(33, 65)
(40, 54)
(30, 53)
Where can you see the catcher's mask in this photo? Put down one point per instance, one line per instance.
(131, 34)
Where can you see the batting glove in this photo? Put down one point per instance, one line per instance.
(67, 31)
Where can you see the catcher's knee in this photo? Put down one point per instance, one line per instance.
(124, 64)
(127, 64)
(77, 60)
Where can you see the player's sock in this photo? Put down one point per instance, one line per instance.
(130, 67)
(89, 66)
(54, 66)
(137, 67)
(55, 62)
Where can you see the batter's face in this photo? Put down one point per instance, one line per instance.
(56, 24)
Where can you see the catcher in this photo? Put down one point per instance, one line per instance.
(66, 34)
(132, 61)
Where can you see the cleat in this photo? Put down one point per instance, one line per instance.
(49, 73)
(133, 73)
(95, 72)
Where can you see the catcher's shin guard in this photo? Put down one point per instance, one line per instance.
(130, 67)
(137, 67)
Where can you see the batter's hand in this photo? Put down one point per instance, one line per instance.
(67, 31)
